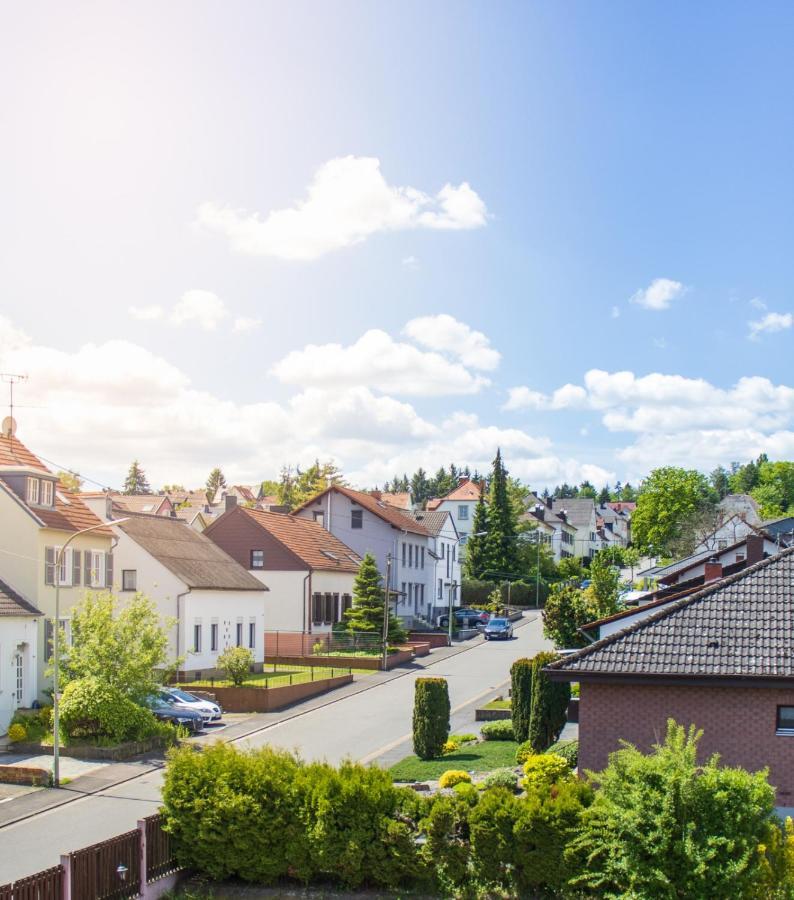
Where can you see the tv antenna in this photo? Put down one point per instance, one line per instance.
(9, 425)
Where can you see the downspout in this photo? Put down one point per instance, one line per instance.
(306, 599)
(179, 624)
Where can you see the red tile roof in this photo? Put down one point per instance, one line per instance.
(466, 490)
(14, 453)
(377, 507)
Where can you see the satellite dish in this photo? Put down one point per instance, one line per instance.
(9, 426)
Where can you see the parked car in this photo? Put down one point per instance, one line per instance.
(170, 712)
(465, 618)
(498, 629)
(209, 711)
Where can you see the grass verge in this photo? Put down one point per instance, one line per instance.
(497, 704)
(472, 758)
(280, 677)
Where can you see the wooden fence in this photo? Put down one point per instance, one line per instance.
(109, 870)
(160, 859)
(46, 885)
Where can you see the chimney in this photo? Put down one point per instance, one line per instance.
(563, 514)
(108, 505)
(713, 570)
(231, 502)
(755, 548)
(376, 494)
(462, 479)
(549, 502)
(540, 512)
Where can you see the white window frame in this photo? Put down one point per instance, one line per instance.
(124, 573)
(32, 489)
(463, 512)
(46, 492)
(238, 633)
(97, 568)
(63, 574)
(252, 634)
(198, 630)
(214, 636)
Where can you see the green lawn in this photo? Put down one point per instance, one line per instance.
(280, 678)
(480, 757)
(497, 704)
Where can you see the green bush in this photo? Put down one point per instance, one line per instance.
(236, 662)
(566, 610)
(431, 717)
(447, 851)
(468, 792)
(491, 826)
(549, 704)
(523, 753)
(545, 769)
(521, 697)
(504, 778)
(501, 730)
(17, 732)
(452, 777)
(92, 708)
(568, 750)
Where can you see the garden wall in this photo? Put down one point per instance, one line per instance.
(258, 699)
(24, 775)
(434, 638)
(398, 658)
(88, 751)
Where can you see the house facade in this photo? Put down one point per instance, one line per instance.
(460, 503)
(721, 658)
(308, 572)
(443, 550)
(581, 514)
(212, 600)
(19, 628)
(400, 544)
(37, 517)
(557, 533)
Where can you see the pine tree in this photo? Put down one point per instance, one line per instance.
(136, 481)
(420, 487)
(366, 613)
(476, 563)
(501, 543)
(604, 496)
(216, 482)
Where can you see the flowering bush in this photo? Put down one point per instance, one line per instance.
(17, 732)
(452, 777)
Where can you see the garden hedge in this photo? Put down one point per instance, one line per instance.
(521, 697)
(431, 717)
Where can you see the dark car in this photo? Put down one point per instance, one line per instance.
(466, 618)
(176, 715)
(498, 630)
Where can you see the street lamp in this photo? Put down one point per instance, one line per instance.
(56, 650)
(386, 611)
(453, 586)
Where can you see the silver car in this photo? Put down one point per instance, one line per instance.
(209, 711)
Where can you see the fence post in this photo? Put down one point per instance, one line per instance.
(66, 881)
(144, 873)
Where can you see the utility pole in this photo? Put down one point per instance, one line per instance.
(11, 379)
(386, 611)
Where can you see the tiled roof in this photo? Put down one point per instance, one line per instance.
(388, 513)
(739, 627)
(433, 520)
(397, 499)
(192, 557)
(307, 539)
(549, 515)
(623, 505)
(14, 453)
(580, 510)
(466, 490)
(14, 604)
(141, 503)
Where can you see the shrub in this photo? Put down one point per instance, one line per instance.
(504, 778)
(447, 849)
(664, 825)
(452, 777)
(568, 750)
(45, 717)
(521, 697)
(431, 717)
(236, 662)
(549, 704)
(545, 769)
(501, 730)
(17, 732)
(523, 753)
(450, 746)
(467, 792)
(92, 708)
(566, 610)
(491, 825)
(463, 738)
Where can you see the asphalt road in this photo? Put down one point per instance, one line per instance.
(363, 726)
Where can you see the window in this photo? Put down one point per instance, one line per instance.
(129, 581)
(319, 518)
(239, 634)
(257, 559)
(317, 609)
(49, 565)
(46, 493)
(785, 720)
(197, 637)
(410, 592)
(77, 566)
(356, 518)
(33, 490)
(252, 634)
(423, 558)
(721, 545)
(330, 609)
(449, 561)
(443, 549)
(410, 556)
(95, 568)
(402, 599)
(213, 636)
(65, 568)
(404, 553)
(347, 602)
(463, 512)
(440, 588)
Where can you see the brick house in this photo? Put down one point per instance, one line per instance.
(721, 658)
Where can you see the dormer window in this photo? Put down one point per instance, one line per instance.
(46, 493)
(33, 490)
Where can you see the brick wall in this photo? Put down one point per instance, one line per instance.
(737, 723)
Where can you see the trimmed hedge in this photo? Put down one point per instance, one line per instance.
(549, 704)
(521, 697)
(431, 717)
(501, 730)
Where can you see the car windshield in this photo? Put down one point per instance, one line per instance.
(498, 622)
(158, 701)
(183, 696)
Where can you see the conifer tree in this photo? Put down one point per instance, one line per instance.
(366, 613)
(216, 482)
(502, 553)
(136, 481)
(476, 557)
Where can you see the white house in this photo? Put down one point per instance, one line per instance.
(446, 575)
(460, 503)
(581, 513)
(555, 531)
(19, 625)
(399, 543)
(309, 572)
(733, 529)
(214, 601)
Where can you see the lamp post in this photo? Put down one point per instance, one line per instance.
(386, 611)
(56, 650)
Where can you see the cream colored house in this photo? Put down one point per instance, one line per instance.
(37, 517)
(19, 621)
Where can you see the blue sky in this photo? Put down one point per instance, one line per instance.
(604, 146)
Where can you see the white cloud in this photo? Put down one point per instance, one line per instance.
(615, 312)
(146, 313)
(447, 334)
(659, 294)
(660, 343)
(347, 201)
(757, 303)
(769, 324)
(410, 262)
(245, 323)
(203, 308)
(568, 396)
(377, 360)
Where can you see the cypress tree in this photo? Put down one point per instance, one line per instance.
(549, 704)
(521, 697)
(431, 717)
(476, 560)
(501, 543)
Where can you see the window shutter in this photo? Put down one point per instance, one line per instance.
(87, 568)
(109, 570)
(49, 565)
(77, 561)
(329, 609)
(317, 612)
(336, 608)
(48, 636)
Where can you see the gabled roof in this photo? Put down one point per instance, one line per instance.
(580, 510)
(382, 510)
(397, 499)
(465, 490)
(741, 627)
(193, 558)
(623, 505)
(142, 503)
(14, 453)
(549, 516)
(432, 520)
(307, 539)
(14, 604)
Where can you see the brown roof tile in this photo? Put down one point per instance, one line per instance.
(14, 604)
(388, 513)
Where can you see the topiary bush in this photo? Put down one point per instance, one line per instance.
(17, 732)
(549, 704)
(521, 697)
(545, 769)
(431, 717)
(91, 708)
(452, 777)
(568, 750)
(503, 778)
(501, 730)
(446, 827)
